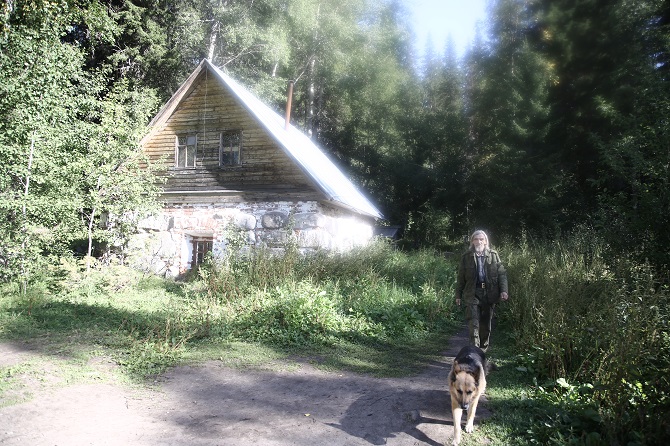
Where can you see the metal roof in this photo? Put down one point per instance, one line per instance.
(320, 168)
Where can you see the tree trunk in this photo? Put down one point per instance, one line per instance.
(91, 219)
(24, 243)
(214, 34)
(311, 73)
(310, 98)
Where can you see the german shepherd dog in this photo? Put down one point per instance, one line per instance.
(467, 382)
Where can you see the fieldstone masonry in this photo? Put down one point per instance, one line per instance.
(274, 220)
(164, 243)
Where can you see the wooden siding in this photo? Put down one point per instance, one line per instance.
(268, 194)
(265, 168)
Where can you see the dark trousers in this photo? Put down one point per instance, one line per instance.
(480, 317)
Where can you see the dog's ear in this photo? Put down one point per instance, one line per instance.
(476, 376)
(454, 370)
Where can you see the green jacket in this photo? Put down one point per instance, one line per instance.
(496, 276)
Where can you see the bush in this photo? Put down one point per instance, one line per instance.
(372, 299)
(368, 293)
(583, 317)
(291, 314)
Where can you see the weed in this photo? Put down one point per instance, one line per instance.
(343, 306)
(583, 318)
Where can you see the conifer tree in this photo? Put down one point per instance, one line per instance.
(508, 174)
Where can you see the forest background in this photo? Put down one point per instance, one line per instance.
(556, 117)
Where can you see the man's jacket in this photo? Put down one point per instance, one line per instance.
(496, 276)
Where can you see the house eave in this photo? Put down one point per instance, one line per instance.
(231, 192)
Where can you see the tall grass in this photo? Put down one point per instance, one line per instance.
(373, 293)
(598, 327)
(591, 329)
(374, 298)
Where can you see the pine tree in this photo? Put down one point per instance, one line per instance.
(508, 177)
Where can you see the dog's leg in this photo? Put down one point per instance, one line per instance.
(470, 425)
(457, 413)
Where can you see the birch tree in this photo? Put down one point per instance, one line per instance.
(68, 139)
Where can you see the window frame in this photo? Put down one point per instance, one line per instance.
(186, 146)
(227, 136)
(200, 246)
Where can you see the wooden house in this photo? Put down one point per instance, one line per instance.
(230, 163)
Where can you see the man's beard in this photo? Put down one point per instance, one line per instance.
(480, 248)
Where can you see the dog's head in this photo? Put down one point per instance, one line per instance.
(464, 386)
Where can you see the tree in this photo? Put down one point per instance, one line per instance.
(633, 177)
(588, 43)
(509, 176)
(366, 99)
(114, 179)
(38, 87)
(437, 138)
(50, 118)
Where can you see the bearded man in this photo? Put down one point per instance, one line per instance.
(481, 282)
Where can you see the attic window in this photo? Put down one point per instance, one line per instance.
(230, 149)
(185, 150)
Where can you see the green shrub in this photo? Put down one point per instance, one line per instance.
(292, 314)
(374, 292)
(565, 414)
(583, 317)
(373, 301)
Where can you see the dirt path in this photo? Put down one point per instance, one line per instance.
(214, 405)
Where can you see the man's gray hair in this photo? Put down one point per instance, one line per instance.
(479, 232)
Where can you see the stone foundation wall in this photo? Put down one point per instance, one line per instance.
(164, 243)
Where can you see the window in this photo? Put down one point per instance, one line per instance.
(201, 246)
(230, 148)
(185, 150)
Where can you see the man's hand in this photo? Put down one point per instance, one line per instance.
(504, 296)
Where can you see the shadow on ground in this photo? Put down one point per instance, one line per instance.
(211, 404)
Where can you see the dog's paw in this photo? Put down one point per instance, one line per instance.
(469, 428)
(455, 442)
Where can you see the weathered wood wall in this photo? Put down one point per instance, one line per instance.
(268, 199)
(266, 171)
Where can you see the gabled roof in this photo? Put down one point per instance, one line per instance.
(322, 170)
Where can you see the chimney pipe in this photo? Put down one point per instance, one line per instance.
(288, 104)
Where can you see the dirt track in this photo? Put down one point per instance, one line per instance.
(213, 405)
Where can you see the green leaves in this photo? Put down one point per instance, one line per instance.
(60, 126)
(548, 121)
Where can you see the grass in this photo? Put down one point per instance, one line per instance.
(508, 392)
(47, 363)
(583, 345)
(592, 330)
(375, 311)
(522, 411)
